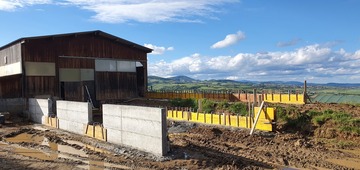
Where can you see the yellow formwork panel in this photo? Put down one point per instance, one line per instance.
(285, 97)
(217, 119)
(198, 117)
(276, 98)
(234, 121)
(244, 122)
(227, 120)
(169, 114)
(51, 121)
(270, 113)
(100, 133)
(208, 119)
(193, 116)
(97, 132)
(294, 99)
(264, 122)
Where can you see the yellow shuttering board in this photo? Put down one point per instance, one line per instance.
(177, 115)
(208, 118)
(277, 98)
(293, 99)
(233, 121)
(96, 132)
(270, 113)
(264, 124)
(51, 121)
(285, 97)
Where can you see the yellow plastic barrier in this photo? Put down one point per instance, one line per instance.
(96, 131)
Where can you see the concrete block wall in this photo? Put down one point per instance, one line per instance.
(73, 116)
(143, 128)
(14, 105)
(38, 108)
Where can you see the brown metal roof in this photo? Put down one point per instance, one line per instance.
(96, 32)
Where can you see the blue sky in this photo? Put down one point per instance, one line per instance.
(261, 40)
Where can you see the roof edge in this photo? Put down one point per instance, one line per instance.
(96, 32)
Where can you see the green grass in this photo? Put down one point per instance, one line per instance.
(184, 103)
(342, 121)
(210, 106)
(238, 109)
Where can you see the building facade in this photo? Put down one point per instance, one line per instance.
(76, 66)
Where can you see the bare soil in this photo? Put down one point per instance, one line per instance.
(193, 146)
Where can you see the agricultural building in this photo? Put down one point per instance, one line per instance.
(76, 66)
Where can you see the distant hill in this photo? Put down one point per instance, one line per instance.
(343, 84)
(187, 83)
(182, 79)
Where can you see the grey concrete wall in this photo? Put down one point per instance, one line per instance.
(15, 105)
(38, 108)
(73, 116)
(143, 128)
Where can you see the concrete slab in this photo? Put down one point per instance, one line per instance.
(146, 128)
(145, 113)
(145, 143)
(112, 110)
(112, 122)
(114, 136)
(70, 126)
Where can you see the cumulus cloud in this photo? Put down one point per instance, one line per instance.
(315, 62)
(288, 43)
(10, 5)
(229, 40)
(158, 50)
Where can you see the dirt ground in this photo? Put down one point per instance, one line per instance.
(193, 146)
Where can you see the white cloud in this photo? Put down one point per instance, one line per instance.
(10, 5)
(158, 50)
(119, 11)
(229, 40)
(316, 62)
(288, 43)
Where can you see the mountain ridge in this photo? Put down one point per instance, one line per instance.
(185, 79)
